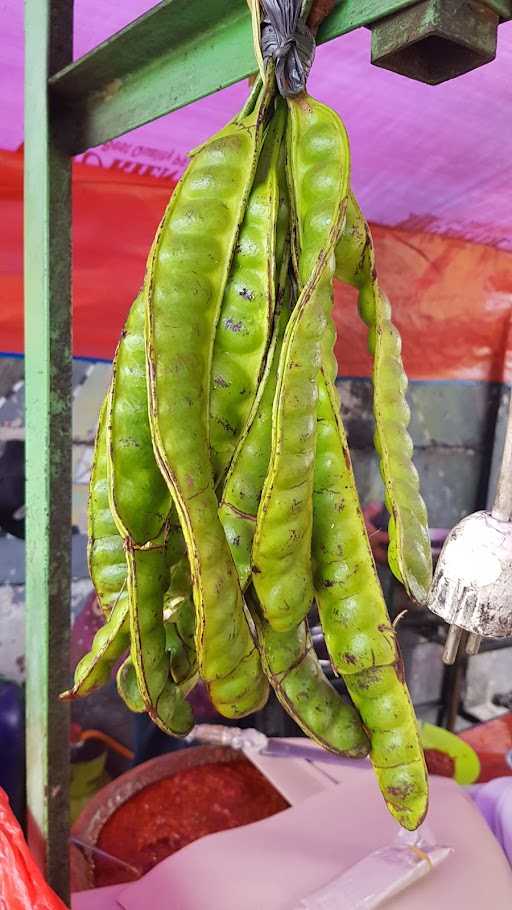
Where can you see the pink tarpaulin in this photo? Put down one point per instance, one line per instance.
(426, 158)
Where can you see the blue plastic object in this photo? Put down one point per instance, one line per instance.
(12, 746)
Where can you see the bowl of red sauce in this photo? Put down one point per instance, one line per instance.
(157, 808)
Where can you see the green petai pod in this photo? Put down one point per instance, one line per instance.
(139, 499)
(148, 579)
(295, 673)
(105, 552)
(409, 552)
(246, 316)
(246, 476)
(318, 165)
(187, 270)
(360, 639)
(109, 644)
(107, 567)
(140, 503)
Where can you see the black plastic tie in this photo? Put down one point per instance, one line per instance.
(286, 39)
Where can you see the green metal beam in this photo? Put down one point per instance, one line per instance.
(179, 51)
(48, 47)
(502, 7)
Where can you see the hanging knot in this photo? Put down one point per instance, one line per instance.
(282, 50)
(287, 40)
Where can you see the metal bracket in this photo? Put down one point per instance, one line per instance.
(437, 40)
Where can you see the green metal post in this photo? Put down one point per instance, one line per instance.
(48, 47)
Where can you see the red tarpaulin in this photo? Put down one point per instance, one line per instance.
(451, 299)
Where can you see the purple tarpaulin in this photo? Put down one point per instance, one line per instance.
(435, 158)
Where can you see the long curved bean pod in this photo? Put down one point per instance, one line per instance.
(359, 637)
(288, 658)
(184, 286)
(140, 503)
(108, 570)
(105, 552)
(148, 578)
(295, 673)
(245, 322)
(246, 476)
(409, 552)
(108, 645)
(139, 499)
(318, 160)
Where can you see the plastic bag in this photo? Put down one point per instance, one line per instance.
(22, 886)
(381, 875)
(494, 801)
(288, 40)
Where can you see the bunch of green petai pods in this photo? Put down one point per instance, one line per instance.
(223, 510)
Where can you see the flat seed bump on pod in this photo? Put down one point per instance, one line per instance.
(282, 542)
(409, 553)
(172, 710)
(288, 658)
(180, 405)
(360, 640)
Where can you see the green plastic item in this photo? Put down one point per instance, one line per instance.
(87, 777)
(465, 759)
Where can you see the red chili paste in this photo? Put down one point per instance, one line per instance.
(171, 813)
